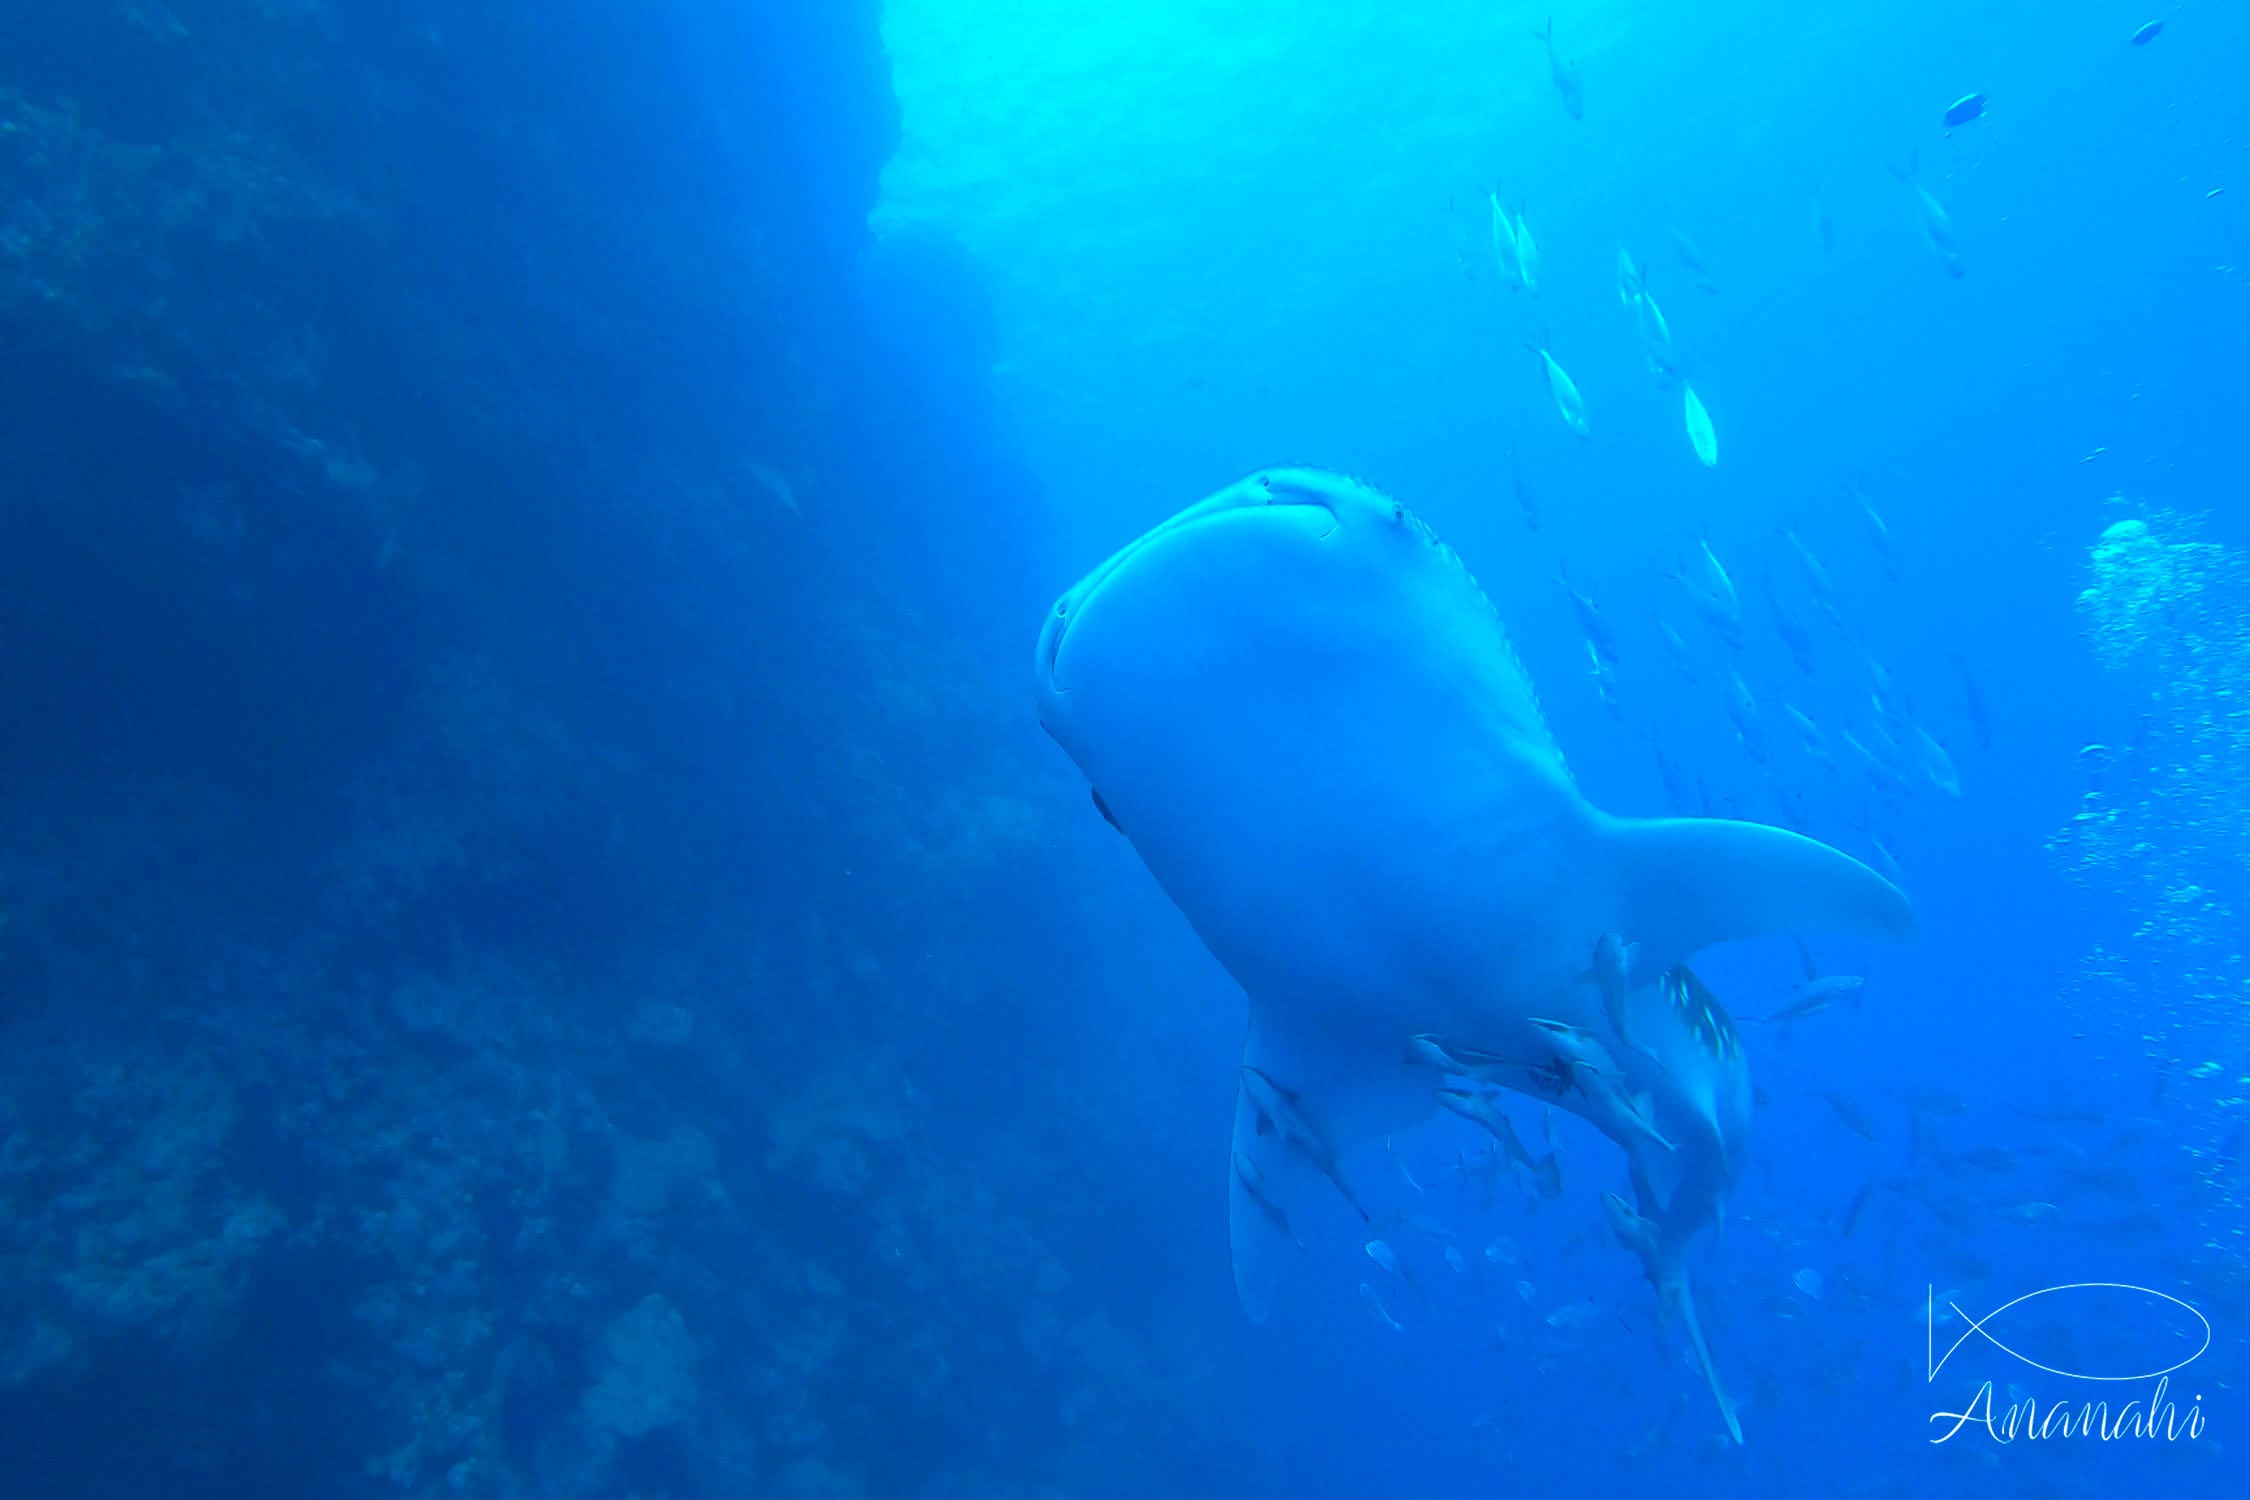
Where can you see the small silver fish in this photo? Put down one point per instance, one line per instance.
(1590, 619)
(1852, 1117)
(1701, 435)
(1712, 592)
(1574, 1315)
(1628, 279)
(1527, 255)
(1480, 1109)
(1605, 682)
(1564, 74)
(1568, 402)
(1937, 226)
(1964, 109)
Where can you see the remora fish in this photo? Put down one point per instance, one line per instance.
(1277, 1112)
(1253, 1182)
(1673, 1298)
(1611, 974)
(1479, 1109)
(1816, 995)
(1310, 722)
(1544, 1173)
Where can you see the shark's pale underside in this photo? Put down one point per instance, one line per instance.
(1305, 715)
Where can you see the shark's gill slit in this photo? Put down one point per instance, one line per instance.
(1051, 640)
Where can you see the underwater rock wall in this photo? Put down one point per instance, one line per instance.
(501, 782)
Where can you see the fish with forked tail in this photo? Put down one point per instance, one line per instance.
(1569, 404)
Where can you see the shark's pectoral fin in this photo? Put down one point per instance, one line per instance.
(1257, 1241)
(1686, 883)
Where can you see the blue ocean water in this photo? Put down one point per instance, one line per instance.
(544, 949)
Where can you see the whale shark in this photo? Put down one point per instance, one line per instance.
(1305, 715)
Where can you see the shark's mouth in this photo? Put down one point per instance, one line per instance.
(1288, 491)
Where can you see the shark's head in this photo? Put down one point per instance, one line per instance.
(1190, 607)
(1272, 687)
(1262, 623)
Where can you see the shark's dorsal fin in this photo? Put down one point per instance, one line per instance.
(1683, 884)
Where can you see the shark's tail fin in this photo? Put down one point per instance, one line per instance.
(1660, 1260)
(1686, 883)
(1684, 1298)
